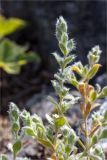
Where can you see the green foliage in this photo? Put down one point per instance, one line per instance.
(94, 55)
(3, 157)
(58, 135)
(8, 26)
(16, 147)
(15, 124)
(13, 56)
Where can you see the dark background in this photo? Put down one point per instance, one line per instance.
(87, 25)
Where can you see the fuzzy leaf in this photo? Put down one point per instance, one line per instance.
(71, 45)
(17, 146)
(75, 83)
(98, 88)
(61, 25)
(15, 127)
(58, 58)
(68, 60)
(50, 119)
(92, 71)
(64, 38)
(94, 139)
(29, 131)
(13, 111)
(103, 93)
(60, 121)
(45, 142)
(94, 55)
(25, 116)
(63, 48)
(103, 134)
(93, 95)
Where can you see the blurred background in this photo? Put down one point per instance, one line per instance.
(87, 25)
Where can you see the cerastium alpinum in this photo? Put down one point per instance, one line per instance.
(58, 135)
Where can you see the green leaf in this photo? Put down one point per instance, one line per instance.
(60, 121)
(103, 93)
(40, 130)
(45, 142)
(93, 95)
(16, 147)
(29, 131)
(63, 48)
(92, 71)
(66, 105)
(64, 38)
(68, 60)
(56, 86)
(75, 83)
(36, 119)
(52, 100)
(3, 157)
(98, 88)
(97, 153)
(58, 58)
(25, 116)
(13, 56)
(103, 133)
(94, 139)
(61, 25)
(71, 45)
(69, 135)
(56, 105)
(105, 115)
(14, 111)
(68, 149)
(84, 70)
(94, 55)
(9, 25)
(50, 134)
(15, 127)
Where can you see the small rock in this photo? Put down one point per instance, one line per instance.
(40, 104)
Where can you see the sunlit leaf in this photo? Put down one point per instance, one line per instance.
(13, 56)
(9, 25)
(93, 95)
(93, 71)
(60, 121)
